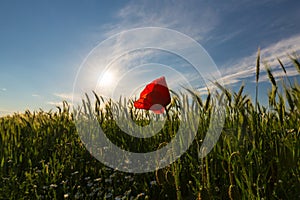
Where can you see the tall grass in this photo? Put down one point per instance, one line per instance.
(256, 157)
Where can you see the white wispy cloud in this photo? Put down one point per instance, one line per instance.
(60, 97)
(4, 112)
(4, 89)
(246, 67)
(54, 103)
(193, 18)
(36, 95)
(69, 97)
(64, 96)
(278, 74)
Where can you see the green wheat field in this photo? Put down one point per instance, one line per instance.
(256, 157)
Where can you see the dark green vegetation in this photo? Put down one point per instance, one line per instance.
(257, 155)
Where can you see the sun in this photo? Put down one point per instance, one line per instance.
(107, 79)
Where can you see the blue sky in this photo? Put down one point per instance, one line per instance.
(44, 43)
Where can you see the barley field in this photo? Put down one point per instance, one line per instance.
(256, 157)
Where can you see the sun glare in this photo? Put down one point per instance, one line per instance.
(107, 79)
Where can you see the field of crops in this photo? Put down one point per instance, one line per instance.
(256, 157)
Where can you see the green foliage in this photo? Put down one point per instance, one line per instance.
(256, 157)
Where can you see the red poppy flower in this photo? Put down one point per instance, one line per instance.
(155, 96)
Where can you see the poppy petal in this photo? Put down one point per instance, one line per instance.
(155, 96)
(157, 109)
